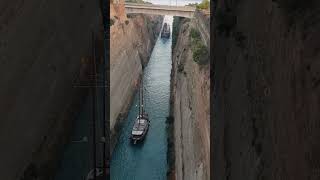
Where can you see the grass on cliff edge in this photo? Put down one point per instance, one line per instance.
(199, 50)
(205, 4)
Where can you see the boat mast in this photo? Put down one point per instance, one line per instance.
(139, 99)
(142, 96)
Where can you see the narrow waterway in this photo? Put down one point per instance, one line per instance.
(148, 160)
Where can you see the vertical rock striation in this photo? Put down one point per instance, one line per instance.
(190, 92)
(43, 50)
(266, 118)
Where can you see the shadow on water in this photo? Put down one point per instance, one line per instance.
(138, 145)
(164, 40)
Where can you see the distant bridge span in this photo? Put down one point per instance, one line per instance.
(182, 11)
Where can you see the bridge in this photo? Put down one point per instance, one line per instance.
(182, 11)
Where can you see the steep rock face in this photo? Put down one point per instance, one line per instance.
(131, 43)
(190, 88)
(117, 9)
(42, 45)
(266, 96)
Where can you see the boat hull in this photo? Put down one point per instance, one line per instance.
(138, 138)
(165, 33)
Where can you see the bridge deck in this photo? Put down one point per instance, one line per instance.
(160, 7)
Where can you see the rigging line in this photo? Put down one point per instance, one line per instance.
(142, 93)
(139, 99)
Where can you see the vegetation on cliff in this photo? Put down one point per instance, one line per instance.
(199, 50)
(205, 4)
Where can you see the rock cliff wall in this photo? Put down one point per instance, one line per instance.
(202, 22)
(131, 43)
(266, 118)
(190, 95)
(43, 50)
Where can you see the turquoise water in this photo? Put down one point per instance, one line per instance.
(147, 160)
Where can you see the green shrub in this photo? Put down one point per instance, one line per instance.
(205, 4)
(195, 34)
(200, 53)
(199, 50)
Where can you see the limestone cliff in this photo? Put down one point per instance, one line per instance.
(44, 46)
(131, 43)
(190, 87)
(266, 95)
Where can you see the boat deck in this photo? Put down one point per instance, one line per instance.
(139, 127)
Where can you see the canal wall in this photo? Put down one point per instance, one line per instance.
(266, 116)
(132, 39)
(190, 106)
(44, 47)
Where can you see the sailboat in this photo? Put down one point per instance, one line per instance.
(141, 124)
(165, 31)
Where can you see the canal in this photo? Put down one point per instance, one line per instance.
(147, 160)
